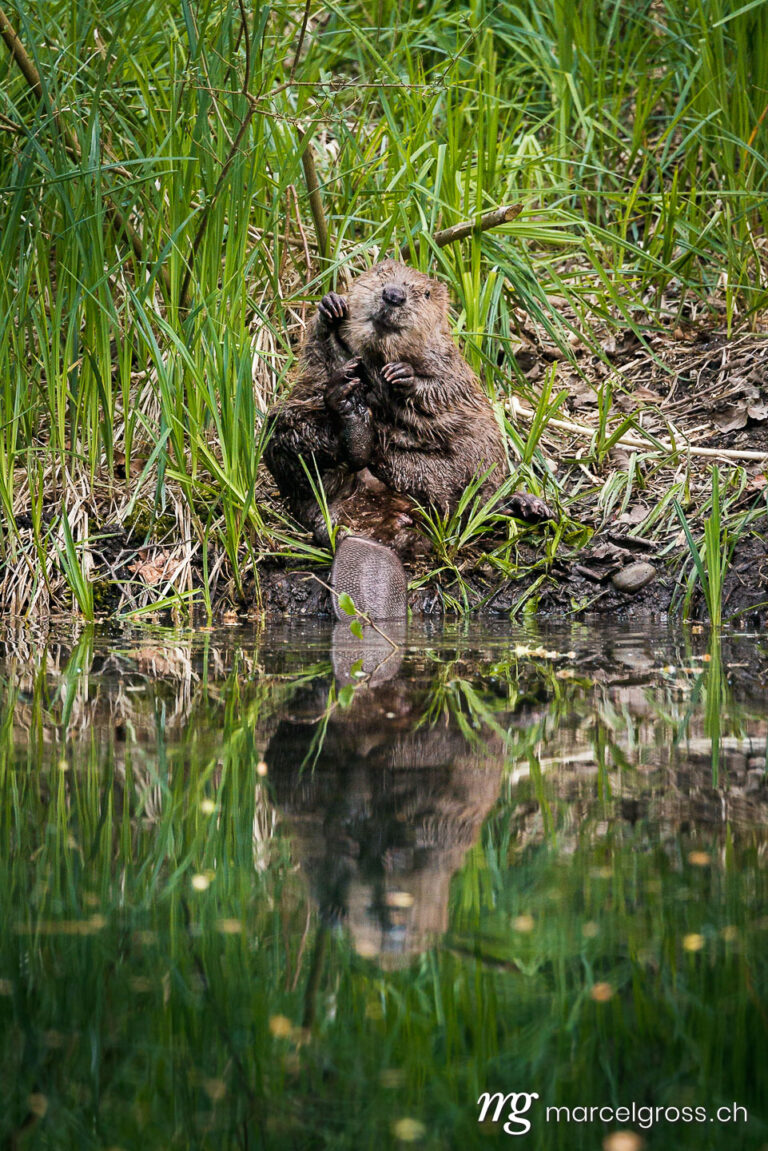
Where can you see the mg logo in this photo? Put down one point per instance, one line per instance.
(515, 1106)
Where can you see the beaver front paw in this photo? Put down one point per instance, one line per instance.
(333, 309)
(399, 376)
(531, 509)
(343, 396)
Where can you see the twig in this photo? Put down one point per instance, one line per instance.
(466, 228)
(359, 614)
(628, 441)
(315, 199)
(300, 44)
(20, 55)
(206, 213)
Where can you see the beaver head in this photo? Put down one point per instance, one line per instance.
(392, 307)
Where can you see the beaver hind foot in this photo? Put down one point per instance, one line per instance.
(373, 576)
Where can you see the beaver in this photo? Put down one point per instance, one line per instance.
(385, 411)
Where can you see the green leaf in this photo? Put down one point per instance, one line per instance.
(347, 605)
(357, 630)
(346, 695)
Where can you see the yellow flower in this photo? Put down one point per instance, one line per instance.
(408, 1130)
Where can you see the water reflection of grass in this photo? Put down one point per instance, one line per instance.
(159, 943)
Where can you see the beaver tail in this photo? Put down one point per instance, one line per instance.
(372, 575)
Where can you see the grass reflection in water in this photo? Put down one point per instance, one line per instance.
(274, 892)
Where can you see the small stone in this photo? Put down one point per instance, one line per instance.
(633, 577)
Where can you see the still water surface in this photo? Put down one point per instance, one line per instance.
(275, 889)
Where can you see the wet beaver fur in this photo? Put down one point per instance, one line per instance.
(385, 411)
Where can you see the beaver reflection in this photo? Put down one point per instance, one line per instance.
(382, 807)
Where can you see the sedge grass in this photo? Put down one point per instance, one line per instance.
(710, 559)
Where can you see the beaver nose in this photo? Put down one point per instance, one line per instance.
(393, 295)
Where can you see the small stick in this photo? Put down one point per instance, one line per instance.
(315, 199)
(359, 614)
(683, 446)
(20, 55)
(300, 44)
(456, 232)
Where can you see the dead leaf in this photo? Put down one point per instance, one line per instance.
(159, 567)
(634, 515)
(732, 418)
(758, 411)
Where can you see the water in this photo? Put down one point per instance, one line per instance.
(275, 890)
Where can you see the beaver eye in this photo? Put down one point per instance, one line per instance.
(427, 294)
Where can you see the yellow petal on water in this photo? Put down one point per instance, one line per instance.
(96, 922)
(229, 926)
(140, 984)
(602, 992)
(730, 933)
(145, 938)
(693, 942)
(707, 658)
(523, 923)
(408, 1130)
(261, 768)
(699, 858)
(281, 1027)
(37, 1104)
(200, 882)
(399, 899)
(207, 806)
(623, 1141)
(590, 930)
(392, 1077)
(215, 1089)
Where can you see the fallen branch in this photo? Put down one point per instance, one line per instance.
(651, 444)
(456, 232)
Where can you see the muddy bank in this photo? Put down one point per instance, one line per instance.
(589, 584)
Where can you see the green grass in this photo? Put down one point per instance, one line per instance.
(634, 139)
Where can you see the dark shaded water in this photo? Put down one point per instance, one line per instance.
(278, 890)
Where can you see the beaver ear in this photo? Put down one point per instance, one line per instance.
(439, 293)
